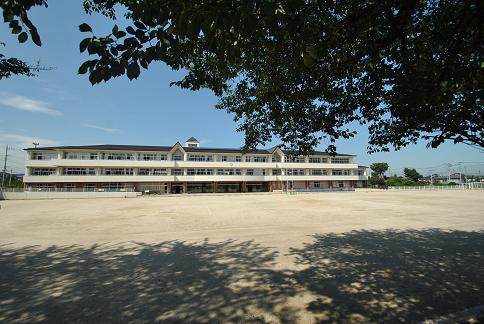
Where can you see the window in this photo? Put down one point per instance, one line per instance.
(346, 172)
(89, 187)
(238, 158)
(340, 160)
(79, 171)
(177, 157)
(316, 172)
(192, 145)
(201, 158)
(299, 160)
(81, 156)
(229, 172)
(160, 172)
(203, 171)
(148, 171)
(223, 158)
(314, 160)
(296, 172)
(44, 156)
(112, 186)
(276, 172)
(360, 172)
(316, 185)
(249, 172)
(117, 156)
(143, 172)
(149, 157)
(117, 171)
(337, 172)
(177, 172)
(43, 171)
(260, 159)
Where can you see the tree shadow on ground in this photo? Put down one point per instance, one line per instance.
(168, 282)
(392, 276)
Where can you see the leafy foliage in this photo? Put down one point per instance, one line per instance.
(379, 168)
(412, 174)
(305, 71)
(15, 14)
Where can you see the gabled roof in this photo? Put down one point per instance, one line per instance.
(192, 139)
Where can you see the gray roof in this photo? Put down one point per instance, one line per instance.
(111, 147)
(192, 139)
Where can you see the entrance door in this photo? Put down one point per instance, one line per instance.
(177, 188)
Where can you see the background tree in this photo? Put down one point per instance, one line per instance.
(379, 168)
(304, 70)
(411, 174)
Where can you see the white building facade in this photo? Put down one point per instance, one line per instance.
(187, 169)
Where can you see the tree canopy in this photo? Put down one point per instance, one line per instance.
(411, 174)
(306, 71)
(379, 168)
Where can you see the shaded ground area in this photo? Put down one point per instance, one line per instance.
(365, 275)
(392, 276)
(170, 282)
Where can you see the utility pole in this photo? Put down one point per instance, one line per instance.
(5, 165)
(10, 178)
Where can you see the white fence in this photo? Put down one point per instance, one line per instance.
(64, 193)
(464, 186)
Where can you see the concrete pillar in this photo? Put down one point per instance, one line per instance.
(185, 187)
(168, 188)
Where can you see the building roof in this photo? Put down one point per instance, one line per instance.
(192, 139)
(145, 148)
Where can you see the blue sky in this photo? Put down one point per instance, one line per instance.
(60, 107)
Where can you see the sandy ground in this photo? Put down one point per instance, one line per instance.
(337, 257)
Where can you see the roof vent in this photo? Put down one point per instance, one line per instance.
(192, 142)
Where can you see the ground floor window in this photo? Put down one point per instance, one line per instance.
(316, 185)
(230, 187)
(199, 187)
(89, 187)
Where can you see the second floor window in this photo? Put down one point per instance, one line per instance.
(79, 171)
(43, 171)
(260, 159)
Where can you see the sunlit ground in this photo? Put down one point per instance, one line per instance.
(384, 257)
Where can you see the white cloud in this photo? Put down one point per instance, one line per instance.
(28, 104)
(23, 141)
(104, 129)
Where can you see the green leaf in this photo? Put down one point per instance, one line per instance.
(115, 30)
(84, 28)
(130, 30)
(120, 34)
(140, 25)
(83, 68)
(22, 37)
(84, 43)
(133, 71)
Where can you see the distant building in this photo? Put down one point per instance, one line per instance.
(187, 168)
(454, 177)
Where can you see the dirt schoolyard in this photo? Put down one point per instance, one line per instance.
(276, 258)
